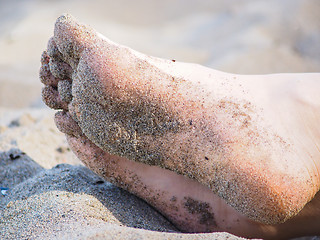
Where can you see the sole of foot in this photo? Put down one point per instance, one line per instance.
(189, 205)
(203, 124)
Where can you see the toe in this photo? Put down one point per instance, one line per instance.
(53, 50)
(60, 70)
(90, 154)
(52, 99)
(45, 58)
(58, 67)
(45, 75)
(72, 38)
(65, 90)
(67, 125)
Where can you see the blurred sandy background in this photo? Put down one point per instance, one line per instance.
(240, 36)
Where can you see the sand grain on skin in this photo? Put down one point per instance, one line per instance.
(128, 107)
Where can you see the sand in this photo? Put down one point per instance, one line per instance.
(68, 201)
(51, 195)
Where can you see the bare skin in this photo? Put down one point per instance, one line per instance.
(212, 151)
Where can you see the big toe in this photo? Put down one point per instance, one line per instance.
(67, 125)
(72, 38)
(51, 97)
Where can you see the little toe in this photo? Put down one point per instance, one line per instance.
(52, 99)
(45, 75)
(72, 38)
(67, 125)
(65, 90)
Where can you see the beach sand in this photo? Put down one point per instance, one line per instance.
(51, 194)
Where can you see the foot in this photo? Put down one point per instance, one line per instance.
(146, 109)
(188, 204)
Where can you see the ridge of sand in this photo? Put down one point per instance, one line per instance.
(71, 202)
